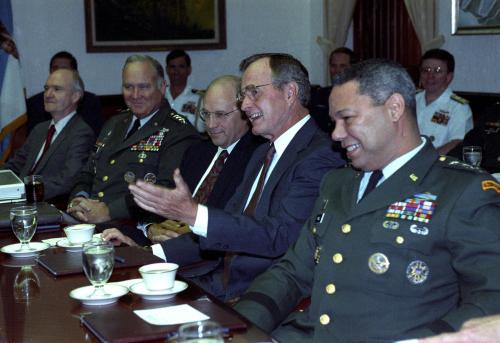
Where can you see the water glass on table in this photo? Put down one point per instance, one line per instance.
(98, 262)
(23, 220)
(200, 332)
(472, 155)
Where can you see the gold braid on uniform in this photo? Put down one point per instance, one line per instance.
(179, 117)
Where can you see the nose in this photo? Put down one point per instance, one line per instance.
(210, 122)
(49, 92)
(135, 92)
(246, 104)
(339, 133)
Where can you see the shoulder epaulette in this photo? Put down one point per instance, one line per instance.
(453, 163)
(459, 99)
(179, 117)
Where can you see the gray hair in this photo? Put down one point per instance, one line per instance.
(160, 75)
(285, 68)
(379, 79)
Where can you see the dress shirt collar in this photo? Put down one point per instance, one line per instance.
(282, 141)
(61, 123)
(144, 120)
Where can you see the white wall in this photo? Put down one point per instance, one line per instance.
(47, 26)
(477, 57)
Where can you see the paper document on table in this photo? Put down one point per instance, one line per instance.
(171, 315)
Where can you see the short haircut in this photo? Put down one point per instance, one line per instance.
(233, 81)
(284, 68)
(344, 50)
(176, 54)
(379, 79)
(442, 55)
(67, 55)
(148, 59)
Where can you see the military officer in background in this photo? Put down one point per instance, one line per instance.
(404, 245)
(147, 142)
(442, 115)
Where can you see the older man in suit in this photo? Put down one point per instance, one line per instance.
(282, 179)
(406, 244)
(148, 138)
(57, 149)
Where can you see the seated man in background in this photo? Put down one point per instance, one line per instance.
(339, 59)
(89, 107)
(180, 95)
(281, 181)
(58, 148)
(149, 138)
(404, 245)
(442, 116)
(212, 169)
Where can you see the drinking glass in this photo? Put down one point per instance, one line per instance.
(200, 332)
(34, 187)
(98, 261)
(472, 155)
(23, 220)
(26, 285)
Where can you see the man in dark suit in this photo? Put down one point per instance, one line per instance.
(58, 157)
(404, 245)
(149, 138)
(266, 213)
(229, 133)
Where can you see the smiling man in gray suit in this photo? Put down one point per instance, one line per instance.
(57, 149)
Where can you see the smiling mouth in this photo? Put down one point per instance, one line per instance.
(352, 147)
(255, 116)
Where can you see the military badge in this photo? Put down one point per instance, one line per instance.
(391, 225)
(378, 263)
(441, 117)
(317, 254)
(152, 143)
(424, 231)
(150, 178)
(417, 272)
(415, 209)
(129, 177)
(490, 184)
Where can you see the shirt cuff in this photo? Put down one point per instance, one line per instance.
(144, 228)
(200, 226)
(82, 194)
(158, 251)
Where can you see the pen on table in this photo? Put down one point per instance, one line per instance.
(119, 259)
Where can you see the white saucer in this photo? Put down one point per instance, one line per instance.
(36, 247)
(140, 289)
(70, 247)
(113, 293)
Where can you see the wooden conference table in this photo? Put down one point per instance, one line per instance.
(35, 305)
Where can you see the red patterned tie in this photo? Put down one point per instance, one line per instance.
(208, 184)
(48, 140)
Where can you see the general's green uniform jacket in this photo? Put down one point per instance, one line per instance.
(157, 147)
(418, 255)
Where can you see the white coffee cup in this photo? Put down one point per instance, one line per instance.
(79, 233)
(159, 276)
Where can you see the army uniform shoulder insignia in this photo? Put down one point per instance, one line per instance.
(459, 99)
(490, 184)
(179, 117)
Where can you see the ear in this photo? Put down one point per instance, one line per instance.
(395, 104)
(291, 91)
(449, 77)
(76, 96)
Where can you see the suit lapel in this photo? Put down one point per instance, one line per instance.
(402, 184)
(41, 135)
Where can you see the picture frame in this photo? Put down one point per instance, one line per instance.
(154, 25)
(475, 17)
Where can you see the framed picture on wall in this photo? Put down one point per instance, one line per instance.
(155, 25)
(474, 17)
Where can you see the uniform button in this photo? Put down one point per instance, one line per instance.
(105, 178)
(324, 319)
(314, 230)
(400, 239)
(141, 160)
(442, 158)
(337, 258)
(112, 162)
(100, 194)
(330, 288)
(346, 228)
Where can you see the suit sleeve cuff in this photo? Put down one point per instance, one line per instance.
(200, 226)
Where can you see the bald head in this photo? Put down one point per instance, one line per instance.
(224, 122)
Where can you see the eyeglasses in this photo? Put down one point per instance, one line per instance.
(430, 70)
(205, 115)
(250, 91)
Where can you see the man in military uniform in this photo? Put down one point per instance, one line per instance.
(145, 142)
(412, 254)
(442, 115)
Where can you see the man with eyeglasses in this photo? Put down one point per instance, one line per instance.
(442, 115)
(277, 193)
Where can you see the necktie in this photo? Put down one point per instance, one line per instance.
(48, 140)
(372, 182)
(135, 127)
(208, 184)
(250, 210)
